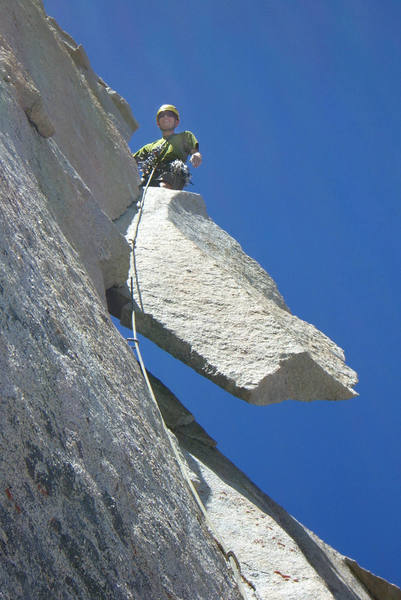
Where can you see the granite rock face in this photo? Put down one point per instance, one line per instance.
(91, 126)
(92, 501)
(279, 558)
(200, 297)
(176, 417)
(80, 158)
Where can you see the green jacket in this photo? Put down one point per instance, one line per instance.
(177, 145)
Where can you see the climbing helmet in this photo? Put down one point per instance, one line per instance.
(169, 107)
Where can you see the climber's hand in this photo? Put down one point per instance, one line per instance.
(196, 159)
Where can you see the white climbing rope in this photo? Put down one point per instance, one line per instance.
(228, 555)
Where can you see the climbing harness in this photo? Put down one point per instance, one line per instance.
(149, 165)
(175, 173)
(229, 555)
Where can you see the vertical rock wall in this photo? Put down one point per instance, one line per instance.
(92, 502)
(279, 558)
(78, 154)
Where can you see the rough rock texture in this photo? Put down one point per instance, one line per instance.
(205, 301)
(93, 503)
(176, 417)
(279, 558)
(87, 120)
(80, 158)
(378, 587)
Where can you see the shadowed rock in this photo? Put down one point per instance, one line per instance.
(93, 504)
(176, 416)
(279, 558)
(379, 588)
(213, 307)
(81, 160)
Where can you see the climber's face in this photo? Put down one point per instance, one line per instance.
(167, 121)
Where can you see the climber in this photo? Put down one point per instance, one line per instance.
(169, 154)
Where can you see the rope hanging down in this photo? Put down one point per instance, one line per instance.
(228, 555)
(133, 242)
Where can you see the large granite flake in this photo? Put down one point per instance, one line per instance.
(201, 298)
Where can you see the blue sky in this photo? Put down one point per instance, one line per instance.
(296, 105)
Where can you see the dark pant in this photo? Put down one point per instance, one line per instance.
(175, 174)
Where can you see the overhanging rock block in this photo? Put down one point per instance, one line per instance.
(201, 298)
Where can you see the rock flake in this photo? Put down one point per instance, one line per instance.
(201, 298)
